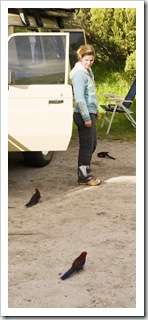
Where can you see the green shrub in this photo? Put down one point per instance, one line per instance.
(130, 66)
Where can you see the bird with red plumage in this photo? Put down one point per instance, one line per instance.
(77, 264)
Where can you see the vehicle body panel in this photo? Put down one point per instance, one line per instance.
(44, 120)
(39, 98)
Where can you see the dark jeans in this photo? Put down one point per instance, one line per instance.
(87, 139)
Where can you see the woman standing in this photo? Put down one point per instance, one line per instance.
(86, 112)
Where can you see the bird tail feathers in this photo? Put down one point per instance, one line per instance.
(67, 274)
(110, 157)
(28, 204)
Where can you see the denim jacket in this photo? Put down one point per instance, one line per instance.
(86, 101)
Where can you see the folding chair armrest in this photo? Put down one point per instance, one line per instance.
(127, 101)
(116, 99)
(108, 95)
(112, 95)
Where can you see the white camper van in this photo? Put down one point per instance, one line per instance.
(40, 100)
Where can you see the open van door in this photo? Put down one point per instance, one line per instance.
(39, 98)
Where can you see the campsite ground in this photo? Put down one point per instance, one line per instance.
(45, 239)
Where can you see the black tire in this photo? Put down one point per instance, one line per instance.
(37, 158)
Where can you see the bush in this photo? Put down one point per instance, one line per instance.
(130, 66)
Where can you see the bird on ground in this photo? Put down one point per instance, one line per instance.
(77, 264)
(34, 199)
(105, 154)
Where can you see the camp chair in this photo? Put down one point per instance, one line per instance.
(121, 105)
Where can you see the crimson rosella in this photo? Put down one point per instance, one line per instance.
(105, 154)
(77, 264)
(34, 199)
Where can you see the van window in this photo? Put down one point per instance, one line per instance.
(37, 59)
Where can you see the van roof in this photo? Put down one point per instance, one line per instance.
(46, 12)
(39, 15)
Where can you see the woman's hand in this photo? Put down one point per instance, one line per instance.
(98, 116)
(88, 123)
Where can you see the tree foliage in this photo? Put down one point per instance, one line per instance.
(130, 66)
(112, 31)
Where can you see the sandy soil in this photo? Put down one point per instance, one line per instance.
(45, 239)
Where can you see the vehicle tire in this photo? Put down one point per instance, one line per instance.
(37, 158)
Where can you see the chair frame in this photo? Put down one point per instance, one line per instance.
(117, 107)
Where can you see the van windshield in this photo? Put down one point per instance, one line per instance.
(37, 59)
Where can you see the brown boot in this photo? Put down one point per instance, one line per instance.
(91, 182)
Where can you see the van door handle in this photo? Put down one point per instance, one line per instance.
(55, 101)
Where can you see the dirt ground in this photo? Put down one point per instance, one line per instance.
(45, 239)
